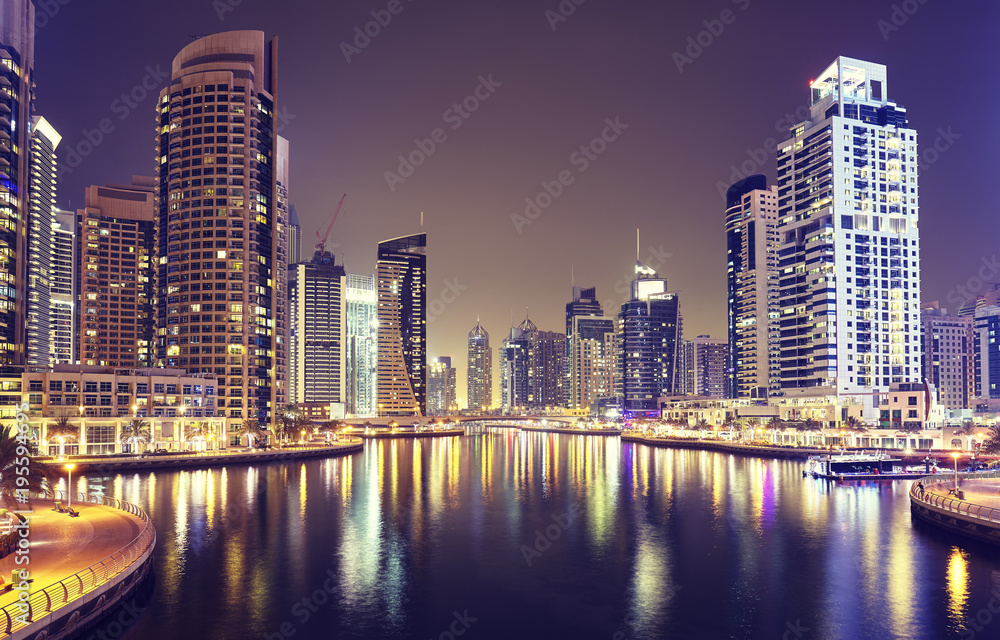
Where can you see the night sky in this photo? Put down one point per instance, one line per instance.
(543, 93)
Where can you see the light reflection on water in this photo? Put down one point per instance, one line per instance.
(665, 543)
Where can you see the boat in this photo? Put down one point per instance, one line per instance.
(863, 465)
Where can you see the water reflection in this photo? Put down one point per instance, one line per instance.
(583, 536)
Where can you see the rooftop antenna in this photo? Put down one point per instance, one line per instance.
(572, 275)
(421, 219)
(637, 245)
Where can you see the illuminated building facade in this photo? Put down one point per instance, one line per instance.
(849, 257)
(402, 326)
(222, 202)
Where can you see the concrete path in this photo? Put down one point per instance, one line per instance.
(62, 545)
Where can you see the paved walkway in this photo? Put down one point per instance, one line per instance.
(62, 546)
(984, 492)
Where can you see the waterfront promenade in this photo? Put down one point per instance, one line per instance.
(78, 565)
(223, 457)
(971, 510)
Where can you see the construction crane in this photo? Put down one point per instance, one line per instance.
(321, 245)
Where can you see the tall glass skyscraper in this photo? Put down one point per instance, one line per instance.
(221, 222)
(590, 350)
(849, 263)
(480, 370)
(42, 204)
(63, 290)
(316, 336)
(752, 279)
(361, 344)
(17, 52)
(402, 326)
(650, 327)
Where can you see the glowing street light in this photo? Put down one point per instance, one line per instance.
(954, 454)
(69, 484)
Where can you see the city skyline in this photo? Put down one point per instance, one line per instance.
(663, 179)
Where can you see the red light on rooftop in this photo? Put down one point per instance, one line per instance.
(811, 82)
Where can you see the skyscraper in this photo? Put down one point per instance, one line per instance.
(64, 287)
(752, 279)
(17, 51)
(440, 387)
(590, 350)
(948, 347)
(220, 219)
(316, 339)
(709, 361)
(650, 337)
(532, 368)
(402, 326)
(117, 293)
(361, 344)
(42, 203)
(480, 370)
(847, 219)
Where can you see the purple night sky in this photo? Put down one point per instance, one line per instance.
(551, 85)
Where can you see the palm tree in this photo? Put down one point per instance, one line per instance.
(194, 432)
(135, 432)
(774, 425)
(250, 429)
(13, 456)
(992, 443)
(302, 423)
(968, 430)
(330, 427)
(854, 425)
(62, 431)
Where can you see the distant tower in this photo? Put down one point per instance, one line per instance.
(532, 363)
(650, 338)
(752, 278)
(361, 345)
(590, 350)
(402, 326)
(480, 370)
(42, 203)
(316, 338)
(63, 290)
(440, 387)
(117, 301)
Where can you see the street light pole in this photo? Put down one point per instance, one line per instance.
(69, 484)
(955, 456)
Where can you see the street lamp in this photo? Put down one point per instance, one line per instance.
(69, 484)
(954, 454)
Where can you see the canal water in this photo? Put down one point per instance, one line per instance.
(502, 534)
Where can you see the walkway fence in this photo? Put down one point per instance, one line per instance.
(37, 604)
(948, 503)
